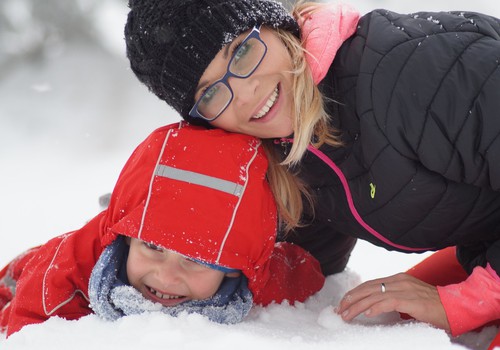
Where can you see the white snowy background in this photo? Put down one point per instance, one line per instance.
(71, 112)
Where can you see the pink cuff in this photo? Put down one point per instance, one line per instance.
(493, 273)
(324, 28)
(473, 302)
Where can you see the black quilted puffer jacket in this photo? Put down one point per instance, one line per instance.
(417, 100)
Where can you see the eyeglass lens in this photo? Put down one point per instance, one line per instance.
(242, 65)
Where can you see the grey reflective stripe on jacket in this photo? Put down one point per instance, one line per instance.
(199, 179)
(10, 283)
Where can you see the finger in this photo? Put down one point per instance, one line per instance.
(389, 303)
(397, 282)
(377, 304)
(358, 307)
(420, 301)
(361, 292)
(422, 309)
(375, 284)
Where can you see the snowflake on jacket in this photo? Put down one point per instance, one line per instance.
(418, 116)
(416, 100)
(200, 193)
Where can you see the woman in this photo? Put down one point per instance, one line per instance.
(396, 144)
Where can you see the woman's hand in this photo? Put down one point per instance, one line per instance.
(402, 293)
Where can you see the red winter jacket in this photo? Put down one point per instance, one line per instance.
(202, 193)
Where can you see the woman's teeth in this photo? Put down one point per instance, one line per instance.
(269, 104)
(164, 296)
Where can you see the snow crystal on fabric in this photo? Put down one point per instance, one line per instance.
(111, 298)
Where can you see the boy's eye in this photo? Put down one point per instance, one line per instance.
(153, 247)
(191, 264)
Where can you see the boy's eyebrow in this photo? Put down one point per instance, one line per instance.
(225, 55)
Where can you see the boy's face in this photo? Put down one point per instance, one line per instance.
(167, 277)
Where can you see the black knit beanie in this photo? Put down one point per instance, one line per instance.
(170, 43)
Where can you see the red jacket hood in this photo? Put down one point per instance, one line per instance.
(202, 193)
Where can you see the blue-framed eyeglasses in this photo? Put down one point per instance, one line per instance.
(243, 63)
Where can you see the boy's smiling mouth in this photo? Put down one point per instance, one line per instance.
(165, 299)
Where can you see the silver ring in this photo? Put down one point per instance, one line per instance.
(382, 287)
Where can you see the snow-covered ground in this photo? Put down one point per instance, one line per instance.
(69, 121)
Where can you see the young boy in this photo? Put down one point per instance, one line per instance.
(191, 226)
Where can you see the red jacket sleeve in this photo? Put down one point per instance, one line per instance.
(473, 302)
(295, 276)
(52, 280)
(8, 279)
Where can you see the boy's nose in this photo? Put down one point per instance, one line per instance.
(169, 270)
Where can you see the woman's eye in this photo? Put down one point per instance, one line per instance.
(209, 94)
(235, 49)
(153, 247)
(241, 51)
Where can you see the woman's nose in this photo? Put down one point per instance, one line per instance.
(244, 90)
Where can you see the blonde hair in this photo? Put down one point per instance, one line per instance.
(310, 125)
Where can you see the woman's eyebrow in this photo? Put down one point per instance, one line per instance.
(200, 86)
(225, 55)
(226, 50)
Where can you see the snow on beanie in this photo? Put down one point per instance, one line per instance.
(170, 43)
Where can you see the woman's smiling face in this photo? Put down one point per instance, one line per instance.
(169, 278)
(262, 103)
